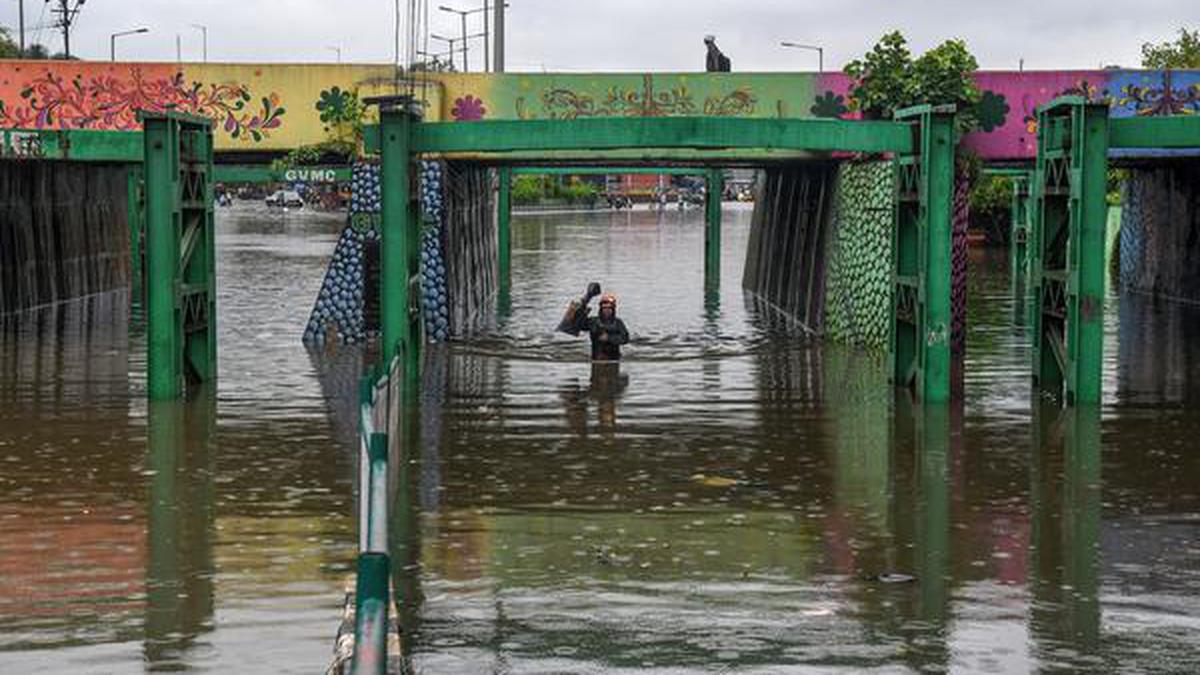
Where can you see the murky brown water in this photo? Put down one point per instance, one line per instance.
(738, 498)
(735, 499)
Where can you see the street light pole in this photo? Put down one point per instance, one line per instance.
(449, 41)
(487, 65)
(21, 21)
(820, 53)
(112, 40)
(462, 14)
(204, 39)
(338, 50)
(498, 26)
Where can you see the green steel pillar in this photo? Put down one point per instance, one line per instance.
(504, 229)
(921, 259)
(135, 209)
(1066, 253)
(180, 254)
(399, 237)
(712, 229)
(1018, 243)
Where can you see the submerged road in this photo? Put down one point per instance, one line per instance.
(736, 498)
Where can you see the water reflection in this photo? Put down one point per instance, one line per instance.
(1064, 550)
(603, 390)
(743, 496)
(217, 535)
(181, 521)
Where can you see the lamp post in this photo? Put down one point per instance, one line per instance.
(462, 14)
(820, 53)
(450, 43)
(204, 39)
(112, 40)
(336, 50)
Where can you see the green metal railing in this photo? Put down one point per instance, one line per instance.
(372, 596)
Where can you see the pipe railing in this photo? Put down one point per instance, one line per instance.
(372, 597)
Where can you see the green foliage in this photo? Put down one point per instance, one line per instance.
(328, 152)
(991, 195)
(534, 189)
(888, 79)
(883, 81)
(1116, 181)
(8, 48)
(945, 74)
(527, 189)
(1182, 53)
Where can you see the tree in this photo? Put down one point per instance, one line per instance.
(1182, 53)
(8, 48)
(882, 78)
(37, 52)
(887, 79)
(946, 75)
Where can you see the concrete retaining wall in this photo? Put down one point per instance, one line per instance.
(1160, 231)
(63, 232)
(785, 261)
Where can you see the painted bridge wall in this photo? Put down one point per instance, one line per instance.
(274, 107)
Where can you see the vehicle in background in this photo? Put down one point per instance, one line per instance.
(285, 199)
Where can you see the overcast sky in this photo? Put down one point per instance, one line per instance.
(629, 35)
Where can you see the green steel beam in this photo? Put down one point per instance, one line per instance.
(1066, 253)
(399, 244)
(712, 229)
(615, 133)
(921, 263)
(1018, 241)
(606, 171)
(80, 145)
(1010, 172)
(180, 253)
(251, 173)
(1177, 131)
(504, 229)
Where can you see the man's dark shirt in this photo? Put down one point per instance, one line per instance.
(607, 336)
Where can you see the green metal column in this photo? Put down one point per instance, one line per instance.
(399, 242)
(504, 229)
(932, 529)
(1018, 240)
(712, 229)
(135, 209)
(180, 254)
(1066, 255)
(921, 260)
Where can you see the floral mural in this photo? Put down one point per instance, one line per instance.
(991, 111)
(831, 105)
(468, 109)
(54, 101)
(644, 101)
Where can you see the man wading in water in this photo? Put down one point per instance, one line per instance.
(607, 332)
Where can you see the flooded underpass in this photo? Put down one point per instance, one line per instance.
(737, 496)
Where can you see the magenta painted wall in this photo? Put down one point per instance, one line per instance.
(1007, 112)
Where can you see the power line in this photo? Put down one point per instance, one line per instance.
(66, 12)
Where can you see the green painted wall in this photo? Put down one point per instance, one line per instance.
(858, 277)
(572, 95)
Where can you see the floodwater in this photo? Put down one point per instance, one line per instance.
(212, 536)
(735, 498)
